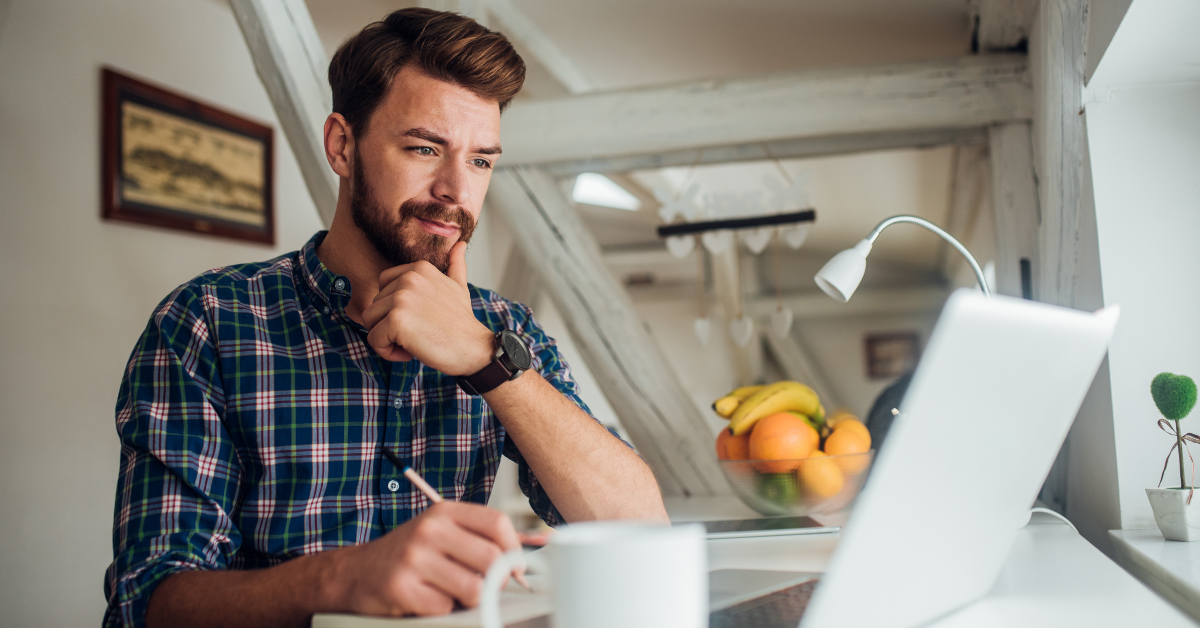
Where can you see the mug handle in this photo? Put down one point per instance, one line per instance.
(493, 582)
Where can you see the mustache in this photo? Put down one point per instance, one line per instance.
(440, 212)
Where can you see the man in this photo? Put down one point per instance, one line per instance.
(254, 409)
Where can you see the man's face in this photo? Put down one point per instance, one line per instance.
(421, 171)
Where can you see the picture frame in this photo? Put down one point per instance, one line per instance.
(892, 354)
(171, 161)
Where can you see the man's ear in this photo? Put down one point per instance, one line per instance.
(339, 144)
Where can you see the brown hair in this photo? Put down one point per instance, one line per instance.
(447, 46)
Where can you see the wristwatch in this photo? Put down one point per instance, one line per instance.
(510, 360)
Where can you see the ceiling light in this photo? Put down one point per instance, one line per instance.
(596, 189)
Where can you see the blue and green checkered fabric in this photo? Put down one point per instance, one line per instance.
(251, 416)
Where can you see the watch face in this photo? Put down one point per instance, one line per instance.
(515, 349)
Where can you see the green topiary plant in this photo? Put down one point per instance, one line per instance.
(1175, 396)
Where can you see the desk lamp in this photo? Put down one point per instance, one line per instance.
(840, 276)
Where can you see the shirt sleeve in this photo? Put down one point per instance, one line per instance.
(548, 361)
(179, 476)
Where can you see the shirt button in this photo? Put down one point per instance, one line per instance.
(396, 403)
(325, 310)
(340, 284)
(393, 486)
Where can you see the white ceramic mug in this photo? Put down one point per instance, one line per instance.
(608, 574)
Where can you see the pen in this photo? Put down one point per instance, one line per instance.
(433, 496)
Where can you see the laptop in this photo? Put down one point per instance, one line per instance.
(987, 411)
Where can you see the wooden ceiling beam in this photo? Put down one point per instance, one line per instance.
(797, 148)
(964, 93)
(1003, 25)
(291, 64)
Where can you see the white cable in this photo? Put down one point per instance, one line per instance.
(1052, 514)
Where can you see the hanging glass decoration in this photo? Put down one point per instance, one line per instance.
(756, 240)
(717, 242)
(702, 327)
(681, 246)
(741, 328)
(781, 318)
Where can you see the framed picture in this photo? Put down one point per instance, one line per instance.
(174, 162)
(892, 354)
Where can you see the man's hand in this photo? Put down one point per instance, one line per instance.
(422, 567)
(421, 313)
(425, 565)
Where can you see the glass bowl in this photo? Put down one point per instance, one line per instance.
(807, 486)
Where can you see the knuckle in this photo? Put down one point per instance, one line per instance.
(470, 590)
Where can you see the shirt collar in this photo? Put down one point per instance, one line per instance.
(330, 289)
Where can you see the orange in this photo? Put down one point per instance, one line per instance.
(782, 436)
(730, 447)
(820, 477)
(851, 423)
(847, 440)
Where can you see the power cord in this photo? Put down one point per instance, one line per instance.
(1052, 514)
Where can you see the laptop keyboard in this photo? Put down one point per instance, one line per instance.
(781, 609)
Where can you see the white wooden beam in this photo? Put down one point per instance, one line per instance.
(969, 186)
(517, 26)
(521, 282)
(292, 66)
(1015, 206)
(799, 365)
(1057, 65)
(779, 149)
(1003, 25)
(959, 93)
(747, 360)
(663, 422)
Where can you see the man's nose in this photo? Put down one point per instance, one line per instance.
(451, 184)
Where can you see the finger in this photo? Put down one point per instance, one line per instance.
(391, 274)
(386, 341)
(539, 539)
(487, 522)
(458, 264)
(375, 313)
(423, 598)
(455, 580)
(472, 550)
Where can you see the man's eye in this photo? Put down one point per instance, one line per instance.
(424, 150)
(482, 163)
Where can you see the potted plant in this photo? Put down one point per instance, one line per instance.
(1177, 514)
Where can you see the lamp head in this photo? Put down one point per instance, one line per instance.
(840, 276)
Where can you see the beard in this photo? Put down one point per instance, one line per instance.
(387, 234)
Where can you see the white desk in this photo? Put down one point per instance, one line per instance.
(1053, 577)
(1172, 568)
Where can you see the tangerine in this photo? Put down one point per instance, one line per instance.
(820, 476)
(851, 423)
(730, 447)
(782, 436)
(845, 442)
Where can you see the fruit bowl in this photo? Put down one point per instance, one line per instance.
(808, 486)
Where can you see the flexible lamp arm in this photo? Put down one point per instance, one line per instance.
(840, 276)
(945, 236)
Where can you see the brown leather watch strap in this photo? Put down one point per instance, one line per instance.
(488, 378)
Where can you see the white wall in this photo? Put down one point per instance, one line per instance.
(1144, 134)
(78, 291)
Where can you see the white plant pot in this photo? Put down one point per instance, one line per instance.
(1177, 520)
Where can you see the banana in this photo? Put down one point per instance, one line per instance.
(725, 406)
(777, 397)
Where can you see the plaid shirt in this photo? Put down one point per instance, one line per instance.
(251, 416)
